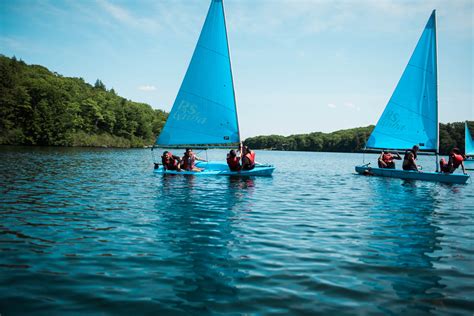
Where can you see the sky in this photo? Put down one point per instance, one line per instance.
(298, 66)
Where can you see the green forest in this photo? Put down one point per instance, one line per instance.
(350, 140)
(40, 107)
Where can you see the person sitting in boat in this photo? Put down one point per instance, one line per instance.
(248, 158)
(170, 161)
(455, 160)
(233, 161)
(386, 160)
(409, 160)
(188, 162)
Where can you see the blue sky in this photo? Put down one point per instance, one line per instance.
(299, 66)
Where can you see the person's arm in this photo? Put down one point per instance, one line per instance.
(381, 156)
(398, 157)
(413, 161)
(462, 166)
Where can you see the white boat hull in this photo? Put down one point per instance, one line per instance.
(413, 175)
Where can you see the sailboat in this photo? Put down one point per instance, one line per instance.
(469, 148)
(204, 113)
(411, 115)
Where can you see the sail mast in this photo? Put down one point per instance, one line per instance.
(437, 88)
(231, 73)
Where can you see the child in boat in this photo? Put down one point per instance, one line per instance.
(233, 161)
(455, 160)
(409, 160)
(248, 158)
(170, 161)
(386, 160)
(188, 162)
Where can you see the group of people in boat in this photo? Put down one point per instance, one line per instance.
(242, 159)
(455, 160)
(186, 163)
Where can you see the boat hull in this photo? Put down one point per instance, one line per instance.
(469, 164)
(217, 168)
(413, 175)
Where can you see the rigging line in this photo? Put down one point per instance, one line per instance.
(211, 50)
(393, 137)
(410, 110)
(197, 132)
(207, 99)
(424, 70)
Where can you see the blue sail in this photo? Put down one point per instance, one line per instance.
(469, 142)
(411, 115)
(204, 111)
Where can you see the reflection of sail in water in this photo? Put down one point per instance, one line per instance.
(402, 240)
(197, 225)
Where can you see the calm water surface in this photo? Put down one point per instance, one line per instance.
(95, 231)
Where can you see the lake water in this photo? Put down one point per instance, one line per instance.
(95, 231)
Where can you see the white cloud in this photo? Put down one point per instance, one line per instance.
(352, 106)
(332, 106)
(147, 88)
(360, 16)
(126, 17)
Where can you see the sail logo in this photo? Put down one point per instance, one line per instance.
(392, 120)
(187, 111)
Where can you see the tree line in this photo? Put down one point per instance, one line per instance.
(350, 140)
(40, 107)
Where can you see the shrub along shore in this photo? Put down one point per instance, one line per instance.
(40, 107)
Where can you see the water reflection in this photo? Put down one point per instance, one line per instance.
(403, 241)
(201, 218)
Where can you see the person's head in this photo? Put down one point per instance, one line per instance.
(416, 148)
(165, 153)
(246, 149)
(456, 151)
(188, 152)
(232, 153)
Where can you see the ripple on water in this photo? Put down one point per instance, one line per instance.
(94, 230)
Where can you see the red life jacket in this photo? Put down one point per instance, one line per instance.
(251, 157)
(387, 158)
(233, 163)
(169, 162)
(189, 162)
(457, 160)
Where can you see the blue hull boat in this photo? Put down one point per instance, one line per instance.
(411, 115)
(204, 113)
(469, 164)
(413, 175)
(217, 168)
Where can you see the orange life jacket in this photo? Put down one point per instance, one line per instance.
(233, 163)
(387, 158)
(457, 160)
(251, 157)
(189, 162)
(169, 162)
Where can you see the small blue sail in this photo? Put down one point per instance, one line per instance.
(469, 142)
(204, 111)
(411, 115)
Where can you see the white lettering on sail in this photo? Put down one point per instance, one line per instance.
(187, 111)
(392, 120)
